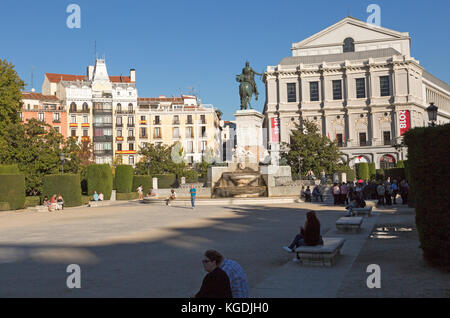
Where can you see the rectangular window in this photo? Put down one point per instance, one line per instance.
(339, 140)
(55, 116)
(189, 132)
(189, 119)
(362, 139)
(387, 138)
(85, 133)
(119, 121)
(73, 119)
(143, 132)
(156, 120)
(190, 147)
(314, 91)
(360, 88)
(119, 133)
(73, 132)
(130, 133)
(119, 147)
(176, 132)
(130, 146)
(337, 89)
(203, 119)
(291, 93)
(130, 121)
(203, 131)
(203, 146)
(41, 117)
(384, 86)
(157, 132)
(176, 119)
(98, 132)
(142, 117)
(131, 160)
(85, 119)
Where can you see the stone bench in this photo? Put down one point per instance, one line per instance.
(40, 208)
(321, 255)
(366, 210)
(152, 200)
(92, 204)
(349, 224)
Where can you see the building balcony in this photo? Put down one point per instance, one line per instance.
(156, 122)
(56, 121)
(103, 125)
(101, 153)
(119, 125)
(129, 138)
(103, 138)
(85, 138)
(102, 111)
(124, 112)
(143, 122)
(157, 137)
(176, 122)
(130, 125)
(119, 138)
(143, 136)
(80, 111)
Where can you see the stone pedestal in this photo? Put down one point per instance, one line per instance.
(249, 136)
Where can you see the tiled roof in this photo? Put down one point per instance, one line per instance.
(38, 96)
(56, 78)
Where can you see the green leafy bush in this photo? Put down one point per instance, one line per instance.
(124, 178)
(166, 181)
(363, 171)
(126, 196)
(100, 180)
(190, 175)
(146, 181)
(429, 170)
(66, 184)
(12, 190)
(400, 164)
(350, 173)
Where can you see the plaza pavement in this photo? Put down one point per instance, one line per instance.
(133, 250)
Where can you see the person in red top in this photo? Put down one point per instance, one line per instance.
(52, 203)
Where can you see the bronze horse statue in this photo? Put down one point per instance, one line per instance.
(245, 92)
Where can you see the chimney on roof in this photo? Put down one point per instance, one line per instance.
(133, 75)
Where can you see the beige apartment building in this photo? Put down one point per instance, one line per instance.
(168, 120)
(359, 84)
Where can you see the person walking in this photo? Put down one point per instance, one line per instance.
(394, 191)
(193, 193)
(216, 283)
(388, 193)
(344, 190)
(404, 190)
(140, 191)
(336, 193)
(381, 191)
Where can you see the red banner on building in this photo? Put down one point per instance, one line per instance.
(404, 121)
(275, 125)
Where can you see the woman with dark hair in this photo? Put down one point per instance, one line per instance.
(216, 283)
(309, 235)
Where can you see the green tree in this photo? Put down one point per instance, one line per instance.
(308, 149)
(11, 87)
(160, 160)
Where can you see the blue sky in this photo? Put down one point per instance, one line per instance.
(177, 45)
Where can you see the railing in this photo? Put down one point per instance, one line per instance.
(143, 136)
(103, 138)
(103, 125)
(130, 125)
(131, 138)
(80, 111)
(124, 112)
(102, 111)
(57, 121)
(103, 152)
(156, 122)
(119, 124)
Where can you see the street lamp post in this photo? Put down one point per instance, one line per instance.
(62, 158)
(432, 114)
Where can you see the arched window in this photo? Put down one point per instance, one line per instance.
(349, 45)
(130, 107)
(73, 107)
(85, 107)
(387, 162)
(119, 107)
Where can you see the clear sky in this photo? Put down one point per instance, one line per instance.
(176, 45)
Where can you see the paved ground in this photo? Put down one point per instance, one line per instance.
(135, 250)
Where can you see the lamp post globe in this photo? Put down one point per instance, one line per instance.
(432, 113)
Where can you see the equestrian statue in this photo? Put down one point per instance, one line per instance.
(247, 86)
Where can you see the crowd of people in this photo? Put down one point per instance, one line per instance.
(55, 203)
(385, 192)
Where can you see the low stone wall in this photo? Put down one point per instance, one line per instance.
(183, 192)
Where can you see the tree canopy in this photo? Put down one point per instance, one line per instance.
(11, 87)
(308, 149)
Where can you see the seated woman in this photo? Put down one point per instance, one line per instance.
(216, 283)
(53, 204)
(172, 197)
(309, 235)
(60, 202)
(151, 193)
(45, 202)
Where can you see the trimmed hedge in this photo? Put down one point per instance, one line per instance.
(166, 181)
(372, 170)
(100, 180)
(126, 196)
(124, 178)
(395, 173)
(400, 164)
(146, 181)
(363, 171)
(4, 206)
(66, 184)
(12, 190)
(32, 201)
(9, 169)
(429, 170)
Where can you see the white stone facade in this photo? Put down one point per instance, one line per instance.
(357, 94)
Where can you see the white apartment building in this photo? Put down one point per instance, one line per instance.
(98, 105)
(359, 84)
